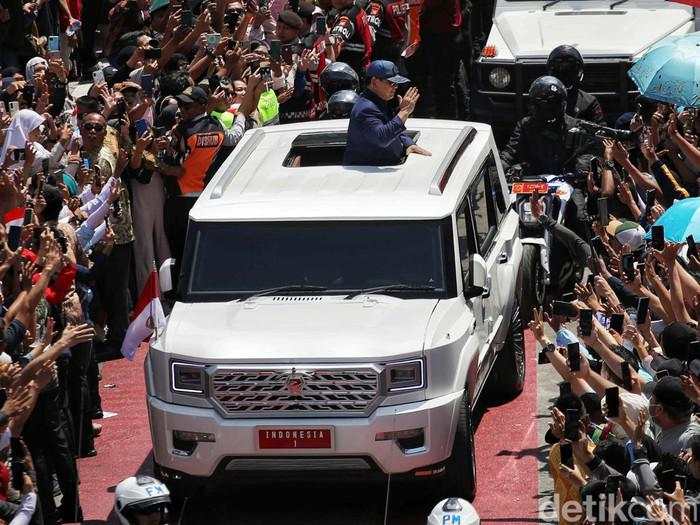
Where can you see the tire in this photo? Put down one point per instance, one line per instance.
(508, 374)
(531, 281)
(459, 480)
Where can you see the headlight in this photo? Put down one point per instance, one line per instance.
(187, 378)
(499, 77)
(407, 375)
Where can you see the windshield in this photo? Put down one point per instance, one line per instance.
(233, 260)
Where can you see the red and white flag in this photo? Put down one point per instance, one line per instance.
(146, 317)
(14, 217)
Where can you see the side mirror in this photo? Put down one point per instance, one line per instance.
(476, 282)
(167, 277)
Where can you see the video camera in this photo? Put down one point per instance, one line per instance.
(597, 131)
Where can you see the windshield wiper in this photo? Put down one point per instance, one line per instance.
(550, 4)
(289, 288)
(614, 4)
(392, 288)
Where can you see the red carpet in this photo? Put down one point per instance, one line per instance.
(506, 450)
(506, 442)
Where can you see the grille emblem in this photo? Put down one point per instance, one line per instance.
(295, 382)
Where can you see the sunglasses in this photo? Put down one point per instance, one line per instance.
(93, 127)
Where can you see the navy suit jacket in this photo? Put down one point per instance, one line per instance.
(376, 136)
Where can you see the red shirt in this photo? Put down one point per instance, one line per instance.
(76, 9)
(441, 16)
(59, 287)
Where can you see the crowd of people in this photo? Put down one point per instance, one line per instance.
(96, 187)
(620, 322)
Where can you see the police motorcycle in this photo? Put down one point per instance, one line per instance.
(555, 191)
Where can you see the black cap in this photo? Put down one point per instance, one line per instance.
(291, 19)
(675, 340)
(669, 392)
(306, 10)
(673, 366)
(193, 95)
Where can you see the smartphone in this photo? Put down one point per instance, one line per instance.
(585, 322)
(660, 374)
(612, 400)
(275, 50)
(667, 480)
(154, 53)
(563, 308)
(603, 215)
(141, 127)
(87, 164)
(613, 484)
(28, 215)
(617, 323)
(567, 455)
(641, 268)
(642, 310)
(265, 72)
(13, 237)
(658, 237)
(572, 424)
(54, 45)
(597, 244)
(98, 76)
(14, 108)
(681, 480)
(596, 366)
(147, 84)
(692, 247)
(564, 389)
(321, 25)
(574, 353)
(591, 280)
(650, 199)
(628, 265)
(45, 167)
(626, 375)
(595, 166)
(187, 18)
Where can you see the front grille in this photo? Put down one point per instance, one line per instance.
(598, 77)
(266, 393)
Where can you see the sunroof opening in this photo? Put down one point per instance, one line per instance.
(322, 149)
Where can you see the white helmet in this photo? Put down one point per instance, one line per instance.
(140, 495)
(453, 511)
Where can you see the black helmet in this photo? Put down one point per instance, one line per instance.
(547, 99)
(338, 76)
(341, 102)
(566, 63)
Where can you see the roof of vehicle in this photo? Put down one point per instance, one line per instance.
(254, 185)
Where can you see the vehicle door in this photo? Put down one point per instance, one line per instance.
(487, 208)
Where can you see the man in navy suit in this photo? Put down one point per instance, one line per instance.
(377, 133)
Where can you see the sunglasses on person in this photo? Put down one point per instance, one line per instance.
(93, 127)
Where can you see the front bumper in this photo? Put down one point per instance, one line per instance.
(235, 449)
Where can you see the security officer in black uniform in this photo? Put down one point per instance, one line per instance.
(542, 143)
(539, 140)
(566, 63)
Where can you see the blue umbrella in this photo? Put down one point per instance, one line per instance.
(670, 71)
(680, 220)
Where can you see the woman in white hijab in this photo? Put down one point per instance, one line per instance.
(32, 65)
(24, 130)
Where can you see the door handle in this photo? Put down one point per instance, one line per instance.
(503, 258)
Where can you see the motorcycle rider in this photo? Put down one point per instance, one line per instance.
(539, 141)
(142, 500)
(453, 510)
(566, 64)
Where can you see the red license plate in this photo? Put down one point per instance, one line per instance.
(294, 438)
(530, 187)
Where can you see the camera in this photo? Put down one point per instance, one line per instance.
(590, 131)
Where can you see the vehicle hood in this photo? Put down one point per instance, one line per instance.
(595, 33)
(299, 328)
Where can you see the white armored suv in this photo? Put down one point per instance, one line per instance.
(337, 320)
